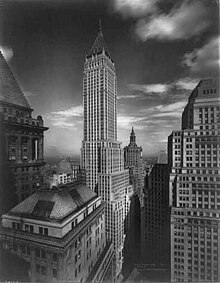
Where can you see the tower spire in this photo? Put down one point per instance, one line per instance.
(99, 45)
(100, 26)
(132, 137)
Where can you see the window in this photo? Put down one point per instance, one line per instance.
(37, 268)
(74, 223)
(40, 269)
(43, 270)
(43, 231)
(54, 273)
(85, 213)
(29, 228)
(25, 250)
(78, 243)
(40, 253)
(55, 257)
(16, 225)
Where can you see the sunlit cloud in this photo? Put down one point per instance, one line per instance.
(127, 121)
(70, 112)
(63, 124)
(135, 8)
(7, 52)
(167, 114)
(186, 83)
(203, 61)
(170, 107)
(178, 89)
(65, 118)
(148, 88)
(189, 19)
(59, 122)
(126, 96)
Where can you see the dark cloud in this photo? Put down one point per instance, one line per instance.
(50, 39)
(204, 61)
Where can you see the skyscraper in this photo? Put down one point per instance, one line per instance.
(101, 154)
(21, 140)
(133, 161)
(156, 224)
(194, 157)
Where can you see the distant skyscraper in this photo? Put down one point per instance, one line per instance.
(21, 140)
(133, 161)
(61, 234)
(194, 157)
(102, 155)
(133, 153)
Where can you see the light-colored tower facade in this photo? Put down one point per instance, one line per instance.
(102, 155)
(194, 157)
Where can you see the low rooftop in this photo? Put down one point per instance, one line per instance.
(55, 204)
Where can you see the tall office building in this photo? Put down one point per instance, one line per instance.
(101, 153)
(133, 153)
(156, 224)
(133, 161)
(21, 141)
(194, 157)
(60, 233)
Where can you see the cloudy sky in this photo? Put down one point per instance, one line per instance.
(161, 48)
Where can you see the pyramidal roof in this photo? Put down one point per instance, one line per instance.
(10, 91)
(99, 45)
(54, 205)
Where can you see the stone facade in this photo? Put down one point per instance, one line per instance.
(61, 234)
(21, 140)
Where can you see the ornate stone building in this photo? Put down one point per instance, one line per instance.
(21, 142)
(60, 233)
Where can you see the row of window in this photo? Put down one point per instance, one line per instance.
(29, 228)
